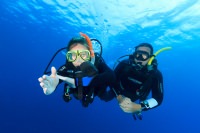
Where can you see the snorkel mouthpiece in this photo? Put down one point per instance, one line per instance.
(139, 66)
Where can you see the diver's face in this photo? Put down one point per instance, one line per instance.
(142, 50)
(79, 59)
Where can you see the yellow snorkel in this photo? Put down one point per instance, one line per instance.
(154, 55)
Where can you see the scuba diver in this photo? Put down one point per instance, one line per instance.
(138, 77)
(85, 73)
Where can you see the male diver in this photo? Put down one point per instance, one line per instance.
(137, 78)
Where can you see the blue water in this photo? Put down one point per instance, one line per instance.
(32, 30)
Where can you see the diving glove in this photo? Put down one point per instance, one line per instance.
(49, 83)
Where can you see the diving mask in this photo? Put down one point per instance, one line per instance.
(72, 55)
(141, 55)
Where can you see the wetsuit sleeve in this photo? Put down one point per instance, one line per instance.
(104, 79)
(65, 72)
(157, 92)
(118, 71)
(61, 70)
(157, 89)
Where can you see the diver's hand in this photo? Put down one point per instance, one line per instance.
(127, 105)
(49, 83)
(120, 98)
(88, 69)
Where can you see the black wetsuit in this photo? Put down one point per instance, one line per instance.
(137, 84)
(98, 85)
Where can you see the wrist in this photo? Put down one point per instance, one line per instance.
(120, 98)
(138, 107)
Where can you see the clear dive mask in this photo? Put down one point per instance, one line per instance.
(73, 55)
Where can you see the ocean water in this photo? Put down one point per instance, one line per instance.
(31, 31)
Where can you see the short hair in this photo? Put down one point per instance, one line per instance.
(145, 45)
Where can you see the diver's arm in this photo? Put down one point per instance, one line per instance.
(105, 76)
(63, 75)
(119, 69)
(68, 80)
(157, 93)
(156, 99)
(125, 103)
